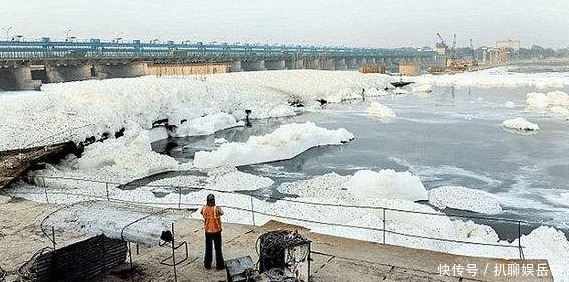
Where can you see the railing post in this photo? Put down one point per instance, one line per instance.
(252, 210)
(383, 225)
(174, 253)
(131, 266)
(179, 198)
(53, 236)
(45, 189)
(520, 240)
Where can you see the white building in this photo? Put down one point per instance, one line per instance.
(510, 43)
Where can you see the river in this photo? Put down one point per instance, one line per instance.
(452, 136)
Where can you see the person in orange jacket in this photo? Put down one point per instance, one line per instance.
(212, 226)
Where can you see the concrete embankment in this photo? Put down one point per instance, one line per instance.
(15, 163)
(333, 258)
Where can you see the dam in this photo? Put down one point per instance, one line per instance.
(26, 65)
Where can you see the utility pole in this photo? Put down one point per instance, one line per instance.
(7, 30)
(67, 34)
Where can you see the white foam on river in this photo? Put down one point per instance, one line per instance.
(77, 110)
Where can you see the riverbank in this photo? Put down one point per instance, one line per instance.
(333, 258)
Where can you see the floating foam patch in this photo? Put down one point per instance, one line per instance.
(463, 198)
(520, 124)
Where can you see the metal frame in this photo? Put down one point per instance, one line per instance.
(97, 49)
(173, 257)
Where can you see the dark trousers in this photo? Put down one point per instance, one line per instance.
(214, 238)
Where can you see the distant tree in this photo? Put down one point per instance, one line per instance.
(548, 53)
(564, 52)
(525, 53)
(536, 48)
(539, 52)
(536, 52)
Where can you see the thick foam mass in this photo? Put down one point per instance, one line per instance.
(77, 110)
(378, 110)
(556, 103)
(116, 160)
(207, 125)
(386, 184)
(285, 142)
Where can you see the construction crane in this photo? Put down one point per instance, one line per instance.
(450, 52)
(452, 62)
(447, 49)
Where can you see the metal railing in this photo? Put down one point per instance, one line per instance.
(95, 48)
(388, 214)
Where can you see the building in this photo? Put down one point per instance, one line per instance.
(510, 43)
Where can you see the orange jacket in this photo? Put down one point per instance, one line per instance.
(212, 218)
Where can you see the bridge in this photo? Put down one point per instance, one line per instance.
(24, 65)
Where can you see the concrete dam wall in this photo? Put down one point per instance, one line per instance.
(14, 78)
(17, 78)
(17, 75)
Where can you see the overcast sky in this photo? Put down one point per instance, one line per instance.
(372, 23)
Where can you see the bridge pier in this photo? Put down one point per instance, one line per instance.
(64, 73)
(340, 64)
(235, 66)
(327, 64)
(293, 64)
(13, 78)
(320, 64)
(432, 62)
(120, 70)
(311, 64)
(275, 65)
(253, 65)
(391, 65)
(352, 64)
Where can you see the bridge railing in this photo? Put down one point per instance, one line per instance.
(392, 228)
(94, 48)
